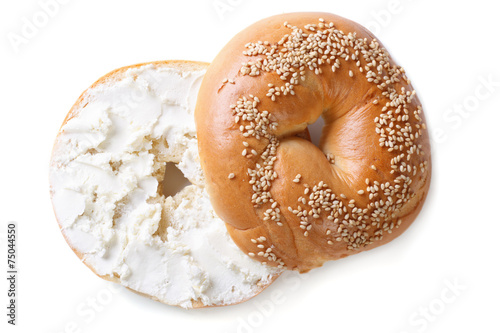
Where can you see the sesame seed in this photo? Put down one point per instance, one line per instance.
(230, 176)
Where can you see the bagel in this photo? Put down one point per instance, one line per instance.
(107, 177)
(286, 201)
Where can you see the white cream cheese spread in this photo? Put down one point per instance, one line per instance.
(106, 177)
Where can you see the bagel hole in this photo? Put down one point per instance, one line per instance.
(315, 130)
(173, 180)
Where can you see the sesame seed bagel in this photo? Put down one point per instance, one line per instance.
(110, 169)
(285, 201)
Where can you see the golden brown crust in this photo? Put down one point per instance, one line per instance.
(85, 98)
(371, 117)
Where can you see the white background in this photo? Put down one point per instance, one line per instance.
(441, 276)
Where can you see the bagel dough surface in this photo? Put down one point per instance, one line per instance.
(361, 187)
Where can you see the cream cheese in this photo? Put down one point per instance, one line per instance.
(105, 175)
